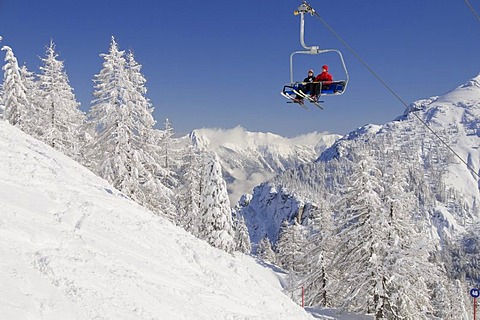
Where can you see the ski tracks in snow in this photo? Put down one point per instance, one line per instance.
(97, 255)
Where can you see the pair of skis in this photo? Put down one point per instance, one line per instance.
(300, 102)
(294, 100)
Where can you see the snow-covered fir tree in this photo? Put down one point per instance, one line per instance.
(215, 212)
(188, 190)
(463, 255)
(290, 246)
(169, 155)
(34, 96)
(315, 274)
(376, 272)
(242, 238)
(265, 252)
(112, 148)
(123, 149)
(59, 110)
(17, 109)
(411, 272)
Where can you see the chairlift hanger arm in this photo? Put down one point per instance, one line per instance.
(302, 9)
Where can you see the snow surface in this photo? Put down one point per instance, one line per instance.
(453, 116)
(456, 115)
(72, 247)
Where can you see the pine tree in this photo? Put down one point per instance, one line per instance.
(379, 254)
(61, 118)
(123, 149)
(169, 155)
(34, 96)
(290, 247)
(188, 191)
(406, 253)
(315, 276)
(359, 254)
(108, 114)
(265, 251)
(17, 109)
(215, 212)
(242, 238)
(139, 107)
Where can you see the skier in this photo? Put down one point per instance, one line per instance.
(306, 87)
(325, 79)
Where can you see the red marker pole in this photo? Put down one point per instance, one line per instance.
(474, 308)
(475, 293)
(303, 298)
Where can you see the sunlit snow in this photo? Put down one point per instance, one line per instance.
(72, 247)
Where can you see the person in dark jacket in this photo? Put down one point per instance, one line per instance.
(307, 86)
(325, 78)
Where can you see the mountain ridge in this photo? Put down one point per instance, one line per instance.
(454, 117)
(249, 158)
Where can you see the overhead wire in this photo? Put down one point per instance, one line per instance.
(472, 10)
(362, 61)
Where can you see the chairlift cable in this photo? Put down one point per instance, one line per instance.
(473, 10)
(393, 91)
(360, 59)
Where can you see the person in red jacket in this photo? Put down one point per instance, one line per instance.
(325, 78)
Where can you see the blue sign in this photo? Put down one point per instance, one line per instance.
(475, 293)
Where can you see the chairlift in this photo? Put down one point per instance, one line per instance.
(293, 89)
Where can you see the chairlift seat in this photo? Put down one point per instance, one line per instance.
(335, 87)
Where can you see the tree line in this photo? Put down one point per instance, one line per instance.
(374, 239)
(117, 140)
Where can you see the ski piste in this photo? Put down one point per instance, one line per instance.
(293, 100)
(309, 98)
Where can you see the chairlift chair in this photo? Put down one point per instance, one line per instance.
(333, 88)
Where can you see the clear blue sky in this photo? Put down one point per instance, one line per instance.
(223, 63)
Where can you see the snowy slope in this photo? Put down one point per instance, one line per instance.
(249, 158)
(72, 247)
(454, 117)
(457, 113)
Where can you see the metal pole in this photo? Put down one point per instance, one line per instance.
(302, 30)
(474, 309)
(303, 298)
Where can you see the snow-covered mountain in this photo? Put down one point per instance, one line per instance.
(442, 156)
(453, 121)
(389, 214)
(72, 247)
(249, 158)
